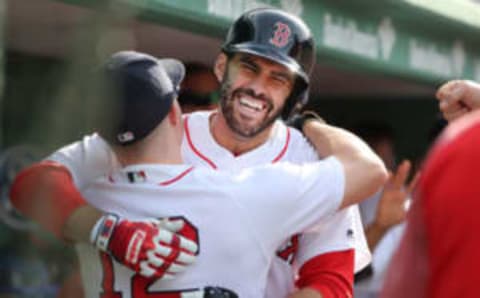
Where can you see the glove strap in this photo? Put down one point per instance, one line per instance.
(103, 230)
(299, 120)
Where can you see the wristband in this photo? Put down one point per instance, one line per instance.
(103, 230)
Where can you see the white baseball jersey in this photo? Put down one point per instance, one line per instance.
(238, 221)
(90, 158)
(341, 231)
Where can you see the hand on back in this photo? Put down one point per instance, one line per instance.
(153, 248)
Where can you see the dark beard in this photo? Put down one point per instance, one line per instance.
(226, 104)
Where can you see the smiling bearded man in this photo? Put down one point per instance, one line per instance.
(249, 112)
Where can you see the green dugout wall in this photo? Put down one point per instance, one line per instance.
(402, 48)
(416, 39)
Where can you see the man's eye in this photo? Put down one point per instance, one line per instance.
(249, 67)
(281, 81)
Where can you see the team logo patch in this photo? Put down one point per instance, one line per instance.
(289, 249)
(350, 233)
(125, 137)
(137, 176)
(281, 35)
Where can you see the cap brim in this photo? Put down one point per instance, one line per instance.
(174, 69)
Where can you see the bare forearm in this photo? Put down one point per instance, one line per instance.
(306, 293)
(79, 225)
(330, 140)
(374, 234)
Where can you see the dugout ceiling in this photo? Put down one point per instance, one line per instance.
(389, 48)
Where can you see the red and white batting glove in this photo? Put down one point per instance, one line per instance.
(149, 247)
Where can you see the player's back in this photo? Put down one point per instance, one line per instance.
(236, 221)
(204, 207)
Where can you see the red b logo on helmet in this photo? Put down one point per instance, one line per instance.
(281, 35)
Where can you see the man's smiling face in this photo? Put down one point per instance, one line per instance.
(253, 93)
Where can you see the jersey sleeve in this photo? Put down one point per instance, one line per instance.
(288, 199)
(319, 189)
(300, 150)
(340, 231)
(86, 160)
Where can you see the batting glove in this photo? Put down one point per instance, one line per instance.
(150, 247)
(298, 120)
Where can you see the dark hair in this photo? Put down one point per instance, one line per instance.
(188, 96)
(192, 68)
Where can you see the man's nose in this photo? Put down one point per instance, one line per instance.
(258, 85)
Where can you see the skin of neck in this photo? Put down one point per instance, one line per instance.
(161, 146)
(231, 141)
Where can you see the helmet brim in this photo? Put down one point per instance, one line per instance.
(269, 54)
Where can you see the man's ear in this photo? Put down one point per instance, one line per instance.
(175, 114)
(220, 66)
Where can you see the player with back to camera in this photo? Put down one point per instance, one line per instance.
(264, 71)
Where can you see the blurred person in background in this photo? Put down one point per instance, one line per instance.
(32, 263)
(384, 213)
(438, 254)
(199, 89)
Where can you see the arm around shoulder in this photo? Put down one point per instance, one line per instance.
(364, 171)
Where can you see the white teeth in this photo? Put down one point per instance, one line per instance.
(251, 104)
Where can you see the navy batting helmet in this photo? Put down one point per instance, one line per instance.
(280, 37)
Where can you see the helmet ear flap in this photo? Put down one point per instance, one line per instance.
(296, 101)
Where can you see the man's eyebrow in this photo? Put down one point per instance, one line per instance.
(247, 59)
(287, 75)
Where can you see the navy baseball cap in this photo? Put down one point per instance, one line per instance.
(142, 89)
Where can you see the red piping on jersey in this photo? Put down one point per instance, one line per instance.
(195, 150)
(175, 179)
(284, 149)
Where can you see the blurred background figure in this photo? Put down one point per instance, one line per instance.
(32, 263)
(199, 89)
(384, 213)
(438, 254)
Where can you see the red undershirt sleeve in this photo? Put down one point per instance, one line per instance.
(331, 274)
(46, 194)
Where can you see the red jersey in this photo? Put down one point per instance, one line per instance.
(438, 256)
